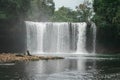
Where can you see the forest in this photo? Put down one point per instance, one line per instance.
(39, 41)
(105, 13)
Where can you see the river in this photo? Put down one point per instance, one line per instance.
(92, 67)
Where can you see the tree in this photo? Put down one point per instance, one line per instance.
(13, 9)
(41, 10)
(12, 29)
(107, 14)
(111, 10)
(64, 14)
(85, 11)
(107, 19)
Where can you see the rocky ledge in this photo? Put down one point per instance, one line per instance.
(15, 58)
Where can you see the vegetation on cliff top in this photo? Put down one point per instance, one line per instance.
(107, 16)
(107, 19)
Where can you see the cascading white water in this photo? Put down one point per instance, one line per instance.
(81, 44)
(40, 34)
(94, 36)
(31, 36)
(56, 37)
(35, 35)
(62, 36)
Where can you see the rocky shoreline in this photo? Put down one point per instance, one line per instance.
(16, 58)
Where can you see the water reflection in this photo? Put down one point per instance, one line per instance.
(54, 66)
(67, 69)
(45, 69)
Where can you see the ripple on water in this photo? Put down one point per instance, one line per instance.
(7, 64)
(76, 75)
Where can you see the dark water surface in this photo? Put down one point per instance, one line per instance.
(70, 68)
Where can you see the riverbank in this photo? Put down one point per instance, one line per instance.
(15, 58)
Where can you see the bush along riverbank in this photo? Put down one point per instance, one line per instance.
(16, 58)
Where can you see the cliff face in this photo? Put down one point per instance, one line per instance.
(12, 36)
(107, 42)
(13, 39)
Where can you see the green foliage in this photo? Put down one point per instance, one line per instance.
(64, 15)
(13, 9)
(41, 10)
(108, 10)
(85, 11)
(26, 9)
(107, 19)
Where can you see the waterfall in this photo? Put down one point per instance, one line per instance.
(35, 35)
(40, 34)
(63, 37)
(81, 44)
(93, 26)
